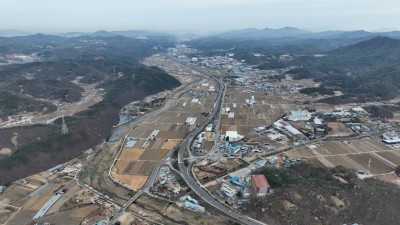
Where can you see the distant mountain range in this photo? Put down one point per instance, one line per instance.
(127, 33)
(100, 33)
(13, 33)
(244, 34)
(292, 32)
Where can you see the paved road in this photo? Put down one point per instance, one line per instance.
(151, 179)
(186, 171)
(145, 187)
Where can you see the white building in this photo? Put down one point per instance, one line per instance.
(287, 129)
(390, 138)
(299, 115)
(190, 121)
(359, 110)
(233, 135)
(229, 191)
(317, 121)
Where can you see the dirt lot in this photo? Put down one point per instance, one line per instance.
(339, 130)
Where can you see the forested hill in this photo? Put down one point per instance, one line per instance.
(88, 128)
(57, 71)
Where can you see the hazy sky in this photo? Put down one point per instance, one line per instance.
(199, 15)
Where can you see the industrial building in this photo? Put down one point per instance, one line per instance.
(299, 115)
(232, 136)
(288, 130)
(390, 138)
(260, 185)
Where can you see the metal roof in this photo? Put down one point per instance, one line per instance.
(260, 181)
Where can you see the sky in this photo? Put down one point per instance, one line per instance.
(52, 16)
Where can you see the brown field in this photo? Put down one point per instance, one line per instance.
(140, 168)
(315, 162)
(392, 156)
(266, 110)
(171, 135)
(155, 144)
(62, 218)
(170, 144)
(136, 182)
(369, 145)
(350, 154)
(21, 217)
(120, 166)
(294, 154)
(342, 160)
(84, 211)
(377, 165)
(139, 143)
(136, 133)
(305, 153)
(17, 195)
(130, 154)
(337, 147)
(37, 202)
(154, 154)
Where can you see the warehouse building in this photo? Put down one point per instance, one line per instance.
(299, 115)
(260, 185)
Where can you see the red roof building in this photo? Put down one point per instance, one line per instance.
(260, 185)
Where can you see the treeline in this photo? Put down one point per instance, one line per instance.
(319, 90)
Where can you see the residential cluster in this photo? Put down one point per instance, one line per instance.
(166, 185)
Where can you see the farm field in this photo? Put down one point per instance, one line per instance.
(355, 155)
(153, 139)
(266, 110)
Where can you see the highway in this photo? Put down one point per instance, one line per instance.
(170, 102)
(186, 171)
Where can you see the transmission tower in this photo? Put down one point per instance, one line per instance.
(64, 128)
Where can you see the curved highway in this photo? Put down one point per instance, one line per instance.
(186, 171)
